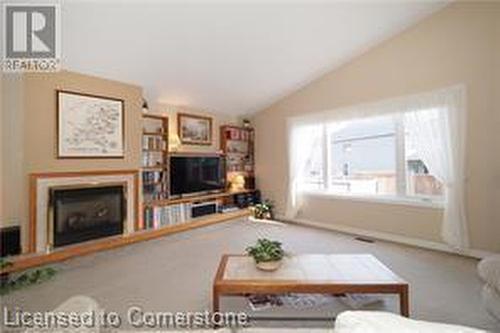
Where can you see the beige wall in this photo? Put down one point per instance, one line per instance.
(2, 147)
(217, 120)
(32, 124)
(496, 123)
(12, 151)
(459, 44)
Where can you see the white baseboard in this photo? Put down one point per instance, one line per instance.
(256, 220)
(417, 242)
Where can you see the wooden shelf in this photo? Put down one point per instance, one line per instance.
(167, 202)
(242, 128)
(154, 133)
(24, 262)
(152, 183)
(195, 153)
(152, 168)
(241, 140)
(154, 150)
(154, 116)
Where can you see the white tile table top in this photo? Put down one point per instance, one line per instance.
(334, 268)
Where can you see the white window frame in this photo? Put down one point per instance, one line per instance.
(400, 198)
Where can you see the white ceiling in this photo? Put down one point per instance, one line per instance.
(231, 58)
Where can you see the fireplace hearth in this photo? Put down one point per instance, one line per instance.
(85, 213)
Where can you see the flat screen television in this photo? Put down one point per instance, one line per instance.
(191, 174)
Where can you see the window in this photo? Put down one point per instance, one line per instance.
(363, 156)
(376, 156)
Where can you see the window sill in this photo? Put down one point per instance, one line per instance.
(392, 200)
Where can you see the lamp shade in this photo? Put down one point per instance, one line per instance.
(237, 183)
(174, 142)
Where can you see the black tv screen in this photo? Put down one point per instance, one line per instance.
(190, 174)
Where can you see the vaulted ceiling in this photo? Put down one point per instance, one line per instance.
(232, 57)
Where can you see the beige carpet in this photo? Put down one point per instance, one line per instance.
(175, 273)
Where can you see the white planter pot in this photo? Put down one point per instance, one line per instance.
(269, 266)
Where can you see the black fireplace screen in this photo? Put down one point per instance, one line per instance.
(87, 213)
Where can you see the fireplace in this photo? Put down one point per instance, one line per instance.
(83, 213)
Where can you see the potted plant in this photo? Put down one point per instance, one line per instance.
(263, 211)
(267, 254)
(9, 283)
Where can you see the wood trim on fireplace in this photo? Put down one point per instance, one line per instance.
(33, 180)
(32, 214)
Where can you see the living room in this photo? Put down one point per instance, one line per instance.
(322, 166)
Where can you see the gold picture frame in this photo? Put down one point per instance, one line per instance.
(194, 129)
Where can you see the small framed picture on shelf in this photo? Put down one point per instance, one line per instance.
(194, 129)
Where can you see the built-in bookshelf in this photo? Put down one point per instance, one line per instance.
(238, 144)
(159, 211)
(154, 170)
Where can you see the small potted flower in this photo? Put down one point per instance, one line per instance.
(267, 254)
(263, 211)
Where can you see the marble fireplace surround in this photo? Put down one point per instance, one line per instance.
(41, 183)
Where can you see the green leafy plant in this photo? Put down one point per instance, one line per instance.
(10, 282)
(4, 263)
(266, 250)
(263, 210)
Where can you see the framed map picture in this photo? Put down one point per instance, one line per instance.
(89, 126)
(194, 129)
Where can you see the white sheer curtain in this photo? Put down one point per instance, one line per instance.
(438, 120)
(302, 138)
(439, 136)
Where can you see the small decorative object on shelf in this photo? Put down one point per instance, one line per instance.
(267, 254)
(246, 123)
(263, 211)
(145, 107)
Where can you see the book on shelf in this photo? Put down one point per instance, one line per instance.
(154, 185)
(152, 159)
(239, 134)
(162, 216)
(153, 176)
(153, 142)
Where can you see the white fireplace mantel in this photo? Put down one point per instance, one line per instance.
(42, 184)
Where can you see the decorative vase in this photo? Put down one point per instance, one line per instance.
(269, 266)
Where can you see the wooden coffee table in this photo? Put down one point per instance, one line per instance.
(310, 273)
